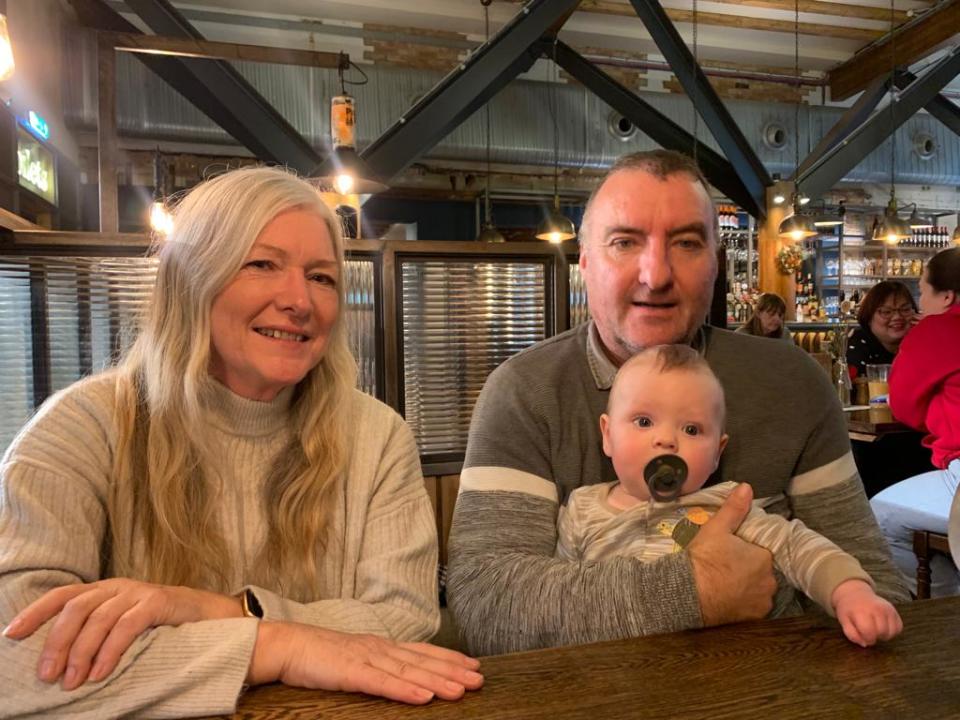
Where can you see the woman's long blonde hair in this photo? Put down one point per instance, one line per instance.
(161, 493)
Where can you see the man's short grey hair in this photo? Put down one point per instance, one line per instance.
(660, 163)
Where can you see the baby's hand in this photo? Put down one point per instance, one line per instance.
(864, 616)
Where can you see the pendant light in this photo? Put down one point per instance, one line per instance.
(489, 233)
(161, 221)
(345, 170)
(892, 228)
(7, 65)
(956, 232)
(797, 226)
(555, 227)
(828, 219)
(917, 221)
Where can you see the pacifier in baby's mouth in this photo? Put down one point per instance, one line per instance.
(665, 475)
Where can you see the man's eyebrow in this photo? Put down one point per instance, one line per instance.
(695, 227)
(624, 230)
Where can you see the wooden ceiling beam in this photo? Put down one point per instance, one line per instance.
(861, 12)
(915, 42)
(676, 15)
(189, 47)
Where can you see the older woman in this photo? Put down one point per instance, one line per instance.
(767, 318)
(223, 508)
(886, 315)
(925, 394)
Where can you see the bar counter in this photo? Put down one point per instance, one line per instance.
(792, 668)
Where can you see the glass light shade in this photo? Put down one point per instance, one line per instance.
(161, 221)
(797, 227)
(556, 228)
(6, 51)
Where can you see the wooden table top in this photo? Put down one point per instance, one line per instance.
(876, 421)
(793, 668)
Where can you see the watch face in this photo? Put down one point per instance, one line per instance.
(251, 606)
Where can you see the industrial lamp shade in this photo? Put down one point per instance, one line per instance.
(556, 227)
(798, 226)
(892, 228)
(345, 171)
(916, 222)
(490, 234)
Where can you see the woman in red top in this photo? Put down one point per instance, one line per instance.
(925, 394)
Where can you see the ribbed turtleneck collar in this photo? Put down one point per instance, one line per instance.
(242, 416)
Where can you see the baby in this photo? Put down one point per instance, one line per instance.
(666, 401)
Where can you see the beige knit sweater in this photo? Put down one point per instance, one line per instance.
(53, 487)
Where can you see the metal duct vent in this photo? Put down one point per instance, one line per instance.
(925, 146)
(775, 136)
(460, 320)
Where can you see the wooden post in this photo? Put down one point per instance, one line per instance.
(107, 135)
(769, 244)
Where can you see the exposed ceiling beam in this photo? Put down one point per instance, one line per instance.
(854, 117)
(258, 122)
(193, 48)
(815, 7)
(721, 124)
(288, 148)
(734, 20)
(940, 107)
(914, 42)
(860, 143)
(651, 121)
(467, 88)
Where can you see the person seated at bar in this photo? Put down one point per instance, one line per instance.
(666, 414)
(925, 394)
(766, 320)
(223, 508)
(886, 314)
(648, 258)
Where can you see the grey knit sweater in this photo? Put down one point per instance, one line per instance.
(54, 481)
(535, 437)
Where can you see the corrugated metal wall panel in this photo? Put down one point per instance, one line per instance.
(459, 320)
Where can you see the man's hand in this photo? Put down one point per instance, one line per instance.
(734, 578)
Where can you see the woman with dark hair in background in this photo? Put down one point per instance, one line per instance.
(925, 394)
(767, 318)
(886, 315)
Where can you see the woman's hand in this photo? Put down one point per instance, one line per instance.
(98, 621)
(312, 657)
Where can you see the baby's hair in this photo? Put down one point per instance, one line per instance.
(669, 358)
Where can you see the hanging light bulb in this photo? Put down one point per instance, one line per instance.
(161, 221)
(892, 228)
(555, 227)
(6, 50)
(345, 170)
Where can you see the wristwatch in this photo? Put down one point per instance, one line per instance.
(251, 606)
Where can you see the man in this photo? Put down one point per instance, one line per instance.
(648, 257)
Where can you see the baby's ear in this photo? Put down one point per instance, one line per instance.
(722, 445)
(604, 433)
